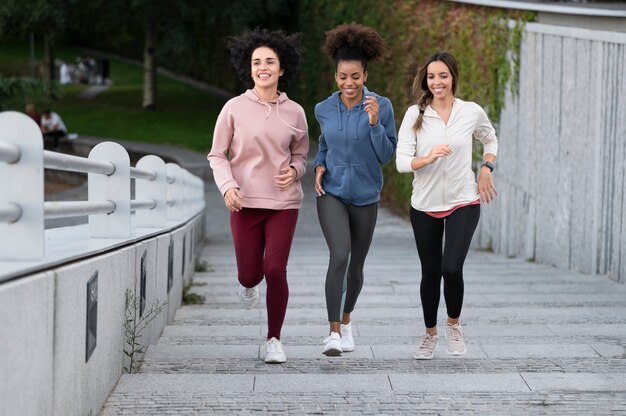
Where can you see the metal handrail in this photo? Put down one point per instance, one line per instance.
(66, 209)
(165, 192)
(139, 173)
(137, 204)
(60, 161)
(612, 10)
(10, 212)
(9, 153)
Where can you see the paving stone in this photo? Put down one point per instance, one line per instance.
(576, 382)
(539, 350)
(321, 382)
(458, 382)
(164, 352)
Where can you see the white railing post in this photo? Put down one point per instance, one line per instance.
(21, 187)
(115, 188)
(187, 193)
(201, 193)
(175, 192)
(198, 193)
(155, 189)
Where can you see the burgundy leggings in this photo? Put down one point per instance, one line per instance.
(262, 240)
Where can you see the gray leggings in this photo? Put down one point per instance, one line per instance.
(348, 230)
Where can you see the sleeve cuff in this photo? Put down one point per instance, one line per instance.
(403, 164)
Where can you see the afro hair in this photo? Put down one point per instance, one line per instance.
(354, 41)
(287, 47)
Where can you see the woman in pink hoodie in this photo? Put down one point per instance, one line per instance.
(258, 156)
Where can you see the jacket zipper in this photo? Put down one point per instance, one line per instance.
(347, 139)
(445, 164)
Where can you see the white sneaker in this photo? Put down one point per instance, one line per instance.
(332, 345)
(248, 296)
(347, 342)
(274, 352)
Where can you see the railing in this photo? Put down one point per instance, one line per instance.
(163, 192)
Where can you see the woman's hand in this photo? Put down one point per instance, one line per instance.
(319, 172)
(486, 188)
(286, 178)
(441, 150)
(233, 199)
(371, 106)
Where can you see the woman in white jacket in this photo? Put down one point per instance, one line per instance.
(435, 143)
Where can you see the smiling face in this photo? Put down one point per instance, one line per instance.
(440, 80)
(350, 78)
(265, 68)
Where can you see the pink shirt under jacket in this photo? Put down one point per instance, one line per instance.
(253, 140)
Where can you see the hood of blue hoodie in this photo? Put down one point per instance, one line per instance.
(353, 171)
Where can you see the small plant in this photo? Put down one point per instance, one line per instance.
(203, 266)
(134, 326)
(190, 298)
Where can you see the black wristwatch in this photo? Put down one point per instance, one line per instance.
(489, 165)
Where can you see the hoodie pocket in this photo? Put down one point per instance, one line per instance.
(365, 182)
(336, 178)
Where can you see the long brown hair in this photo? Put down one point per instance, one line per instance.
(420, 83)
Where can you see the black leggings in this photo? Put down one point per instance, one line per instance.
(429, 231)
(348, 230)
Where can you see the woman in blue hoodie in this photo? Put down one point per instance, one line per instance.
(358, 135)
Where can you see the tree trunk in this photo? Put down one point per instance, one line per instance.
(149, 69)
(50, 69)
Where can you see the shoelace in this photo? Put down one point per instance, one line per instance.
(454, 333)
(426, 342)
(272, 346)
(330, 338)
(248, 293)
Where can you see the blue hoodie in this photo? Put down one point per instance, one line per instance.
(353, 151)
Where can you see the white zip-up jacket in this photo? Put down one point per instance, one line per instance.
(449, 181)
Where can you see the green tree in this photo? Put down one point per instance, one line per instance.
(12, 88)
(45, 18)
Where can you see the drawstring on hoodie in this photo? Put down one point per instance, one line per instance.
(358, 116)
(269, 111)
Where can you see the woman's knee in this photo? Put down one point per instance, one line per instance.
(340, 258)
(250, 279)
(275, 272)
(452, 272)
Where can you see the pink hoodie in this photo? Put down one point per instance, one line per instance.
(260, 138)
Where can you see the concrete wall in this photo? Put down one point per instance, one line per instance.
(561, 162)
(43, 363)
(26, 346)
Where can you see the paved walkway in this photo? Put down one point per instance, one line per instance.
(540, 340)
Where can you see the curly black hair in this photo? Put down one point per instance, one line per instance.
(287, 47)
(354, 42)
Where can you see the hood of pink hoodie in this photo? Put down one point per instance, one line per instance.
(282, 97)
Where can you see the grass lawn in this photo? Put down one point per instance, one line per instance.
(185, 116)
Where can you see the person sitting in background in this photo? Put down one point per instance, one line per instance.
(52, 127)
(32, 113)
